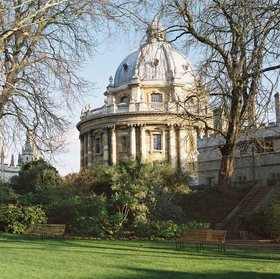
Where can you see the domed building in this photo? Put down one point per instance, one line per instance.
(144, 112)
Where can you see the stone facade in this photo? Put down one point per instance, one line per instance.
(141, 114)
(257, 154)
(141, 118)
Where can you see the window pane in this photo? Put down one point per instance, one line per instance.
(123, 144)
(98, 145)
(156, 98)
(157, 142)
(124, 100)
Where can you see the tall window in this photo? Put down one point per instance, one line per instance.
(157, 101)
(157, 142)
(123, 145)
(97, 147)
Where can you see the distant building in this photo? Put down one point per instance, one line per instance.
(29, 153)
(257, 154)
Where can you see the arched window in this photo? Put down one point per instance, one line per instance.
(97, 145)
(124, 100)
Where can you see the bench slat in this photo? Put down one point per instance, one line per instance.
(46, 229)
(201, 237)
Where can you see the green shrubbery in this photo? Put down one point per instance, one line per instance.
(16, 218)
(166, 229)
(274, 214)
(100, 201)
(263, 222)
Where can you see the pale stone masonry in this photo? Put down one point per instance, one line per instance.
(140, 117)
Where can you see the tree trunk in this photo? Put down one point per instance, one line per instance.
(225, 173)
(226, 168)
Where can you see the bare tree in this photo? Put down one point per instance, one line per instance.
(240, 46)
(43, 44)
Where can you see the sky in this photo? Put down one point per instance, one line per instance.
(99, 68)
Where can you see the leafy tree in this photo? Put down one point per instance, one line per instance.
(7, 194)
(91, 180)
(239, 44)
(37, 176)
(146, 191)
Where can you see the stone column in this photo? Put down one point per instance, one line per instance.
(172, 147)
(143, 143)
(132, 142)
(114, 146)
(85, 151)
(89, 147)
(81, 151)
(105, 146)
(163, 142)
(182, 149)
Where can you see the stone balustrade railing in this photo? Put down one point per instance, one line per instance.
(131, 107)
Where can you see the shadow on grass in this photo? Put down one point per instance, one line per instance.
(159, 248)
(160, 274)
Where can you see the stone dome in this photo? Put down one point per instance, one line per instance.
(155, 62)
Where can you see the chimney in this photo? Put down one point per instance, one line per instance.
(277, 106)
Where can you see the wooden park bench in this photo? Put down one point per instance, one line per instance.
(201, 237)
(46, 230)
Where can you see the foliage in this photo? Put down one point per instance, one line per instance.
(7, 194)
(163, 229)
(166, 229)
(134, 191)
(104, 200)
(87, 216)
(146, 191)
(263, 222)
(37, 176)
(96, 218)
(194, 225)
(256, 223)
(91, 180)
(16, 218)
(274, 215)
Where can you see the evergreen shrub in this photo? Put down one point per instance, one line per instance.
(166, 229)
(16, 218)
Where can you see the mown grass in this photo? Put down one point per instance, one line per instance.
(52, 258)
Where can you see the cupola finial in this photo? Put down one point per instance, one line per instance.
(155, 31)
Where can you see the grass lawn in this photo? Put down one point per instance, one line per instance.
(36, 258)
